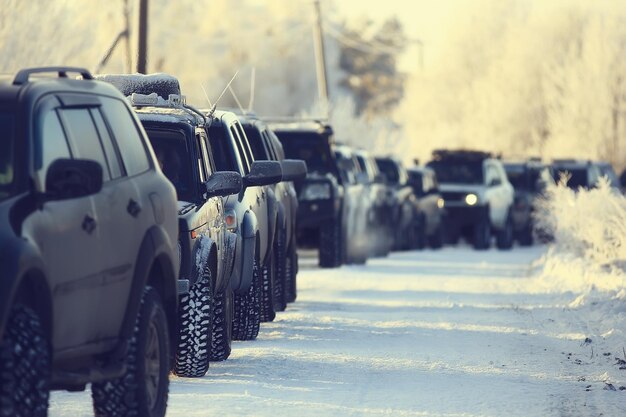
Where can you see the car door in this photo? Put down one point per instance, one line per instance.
(493, 194)
(69, 237)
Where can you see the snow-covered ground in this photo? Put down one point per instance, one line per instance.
(434, 333)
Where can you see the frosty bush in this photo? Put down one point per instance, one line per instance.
(588, 224)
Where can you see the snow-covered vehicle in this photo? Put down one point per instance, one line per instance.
(265, 146)
(430, 205)
(206, 248)
(252, 215)
(410, 227)
(583, 173)
(88, 233)
(477, 195)
(527, 178)
(321, 195)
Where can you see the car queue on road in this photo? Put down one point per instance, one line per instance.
(142, 235)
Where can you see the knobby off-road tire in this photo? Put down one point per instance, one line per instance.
(482, 235)
(504, 238)
(247, 314)
(437, 238)
(420, 233)
(280, 273)
(291, 271)
(526, 236)
(330, 244)
(143, 390)
(222, 326)
(24, 366)
(268, 281)
(195, 317)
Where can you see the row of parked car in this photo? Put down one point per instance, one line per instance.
(139, 236)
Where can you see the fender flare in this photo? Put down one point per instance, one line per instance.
(204, 251)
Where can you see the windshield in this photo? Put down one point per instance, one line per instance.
(7, 138)
(577, 177)
(170, 148)
(311, 148)
(390, 170)
(458, 172)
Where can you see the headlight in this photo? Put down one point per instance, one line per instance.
(441, 203)
(471, 199)
(320, 191)
(230, 218)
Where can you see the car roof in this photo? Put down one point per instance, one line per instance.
(167, 115)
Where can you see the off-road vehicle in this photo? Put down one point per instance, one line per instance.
(528, 180)
(265, 146)
(180, 143)
(252, 215)
(583, 173)
(478, 196)
(321, 195)
(430, 206)
(88, 249)
(408, 224)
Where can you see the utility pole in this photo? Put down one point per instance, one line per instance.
(320, 56)
(142, 59)
(129, 56)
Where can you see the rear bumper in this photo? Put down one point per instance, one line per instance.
(312, 214)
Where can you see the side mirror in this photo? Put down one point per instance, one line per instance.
(223, 183)
(293, 169)
(73, 178)
(263, 173)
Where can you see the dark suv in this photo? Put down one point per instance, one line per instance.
(181, 146)
(265, 146)
(87, 247)
(320, 196)
(252, 215)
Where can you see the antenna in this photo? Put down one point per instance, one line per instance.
(252, 88)
(206, 96)
(243, 112)
(227, 87)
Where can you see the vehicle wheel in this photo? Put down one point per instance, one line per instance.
(504, 239)
(268, 281)
(247, 309)
(482, 235)
(195, 313)
(436, 240)
(291, 270)
(143, 390)
(526, 236)
(222, 334)
(330, 245)
(420, 239)
(24, 366)
(280, 273)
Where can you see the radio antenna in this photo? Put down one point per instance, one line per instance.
(252, 88)
(227, 87)
(243, 112)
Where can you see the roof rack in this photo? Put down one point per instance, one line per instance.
(23, 75)
(447, 154)
(174, 101)
(163, 85)
(293, 119)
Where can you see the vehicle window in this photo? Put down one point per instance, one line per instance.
(170, 148)
(7, 156)
(128, 137)
(269, 146)
(416, 180)
(491, 174)
(390, 170)
(518, 177)
(243, 140)
(278, 147)
(110, 152)
(208, 167)
(222, 149)
(310, 147)
(52, 141)
(346, 168)
(256, 143)
(84, 137)
(458, 171)
(577, 177)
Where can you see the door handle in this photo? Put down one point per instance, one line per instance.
(133, 208)
(89, 224)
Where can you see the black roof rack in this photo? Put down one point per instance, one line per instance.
(461, 154)
(23, 75)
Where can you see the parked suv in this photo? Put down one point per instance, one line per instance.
(265, 146)
(180, 143)
(88, 249)
(252, 215)
(583, 173)
(321, 195)
(478, 197)
(528, 180)
(430, 206)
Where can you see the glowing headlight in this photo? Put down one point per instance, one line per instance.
(316, 192)
(471, 199)
(230, 218)
(441, 203)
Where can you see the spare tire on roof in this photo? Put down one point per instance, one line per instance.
(161, 84)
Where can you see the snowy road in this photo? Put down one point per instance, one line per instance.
(447, 333)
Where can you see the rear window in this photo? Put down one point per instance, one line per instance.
(170, 148)
(458, 172)
(577, 177)
(390, 170)
(7, 154)
(311, 148)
